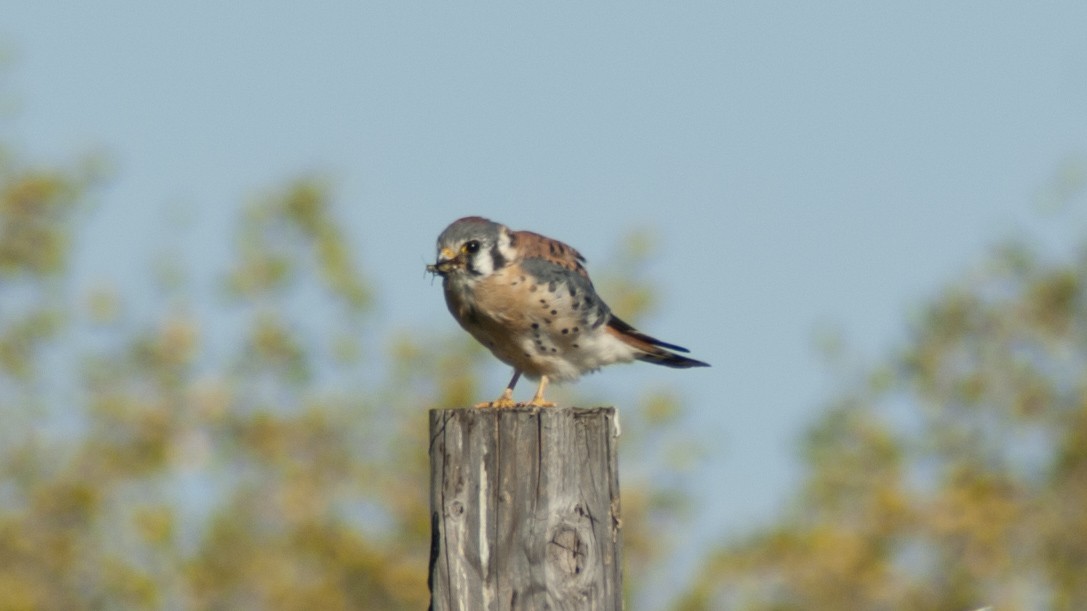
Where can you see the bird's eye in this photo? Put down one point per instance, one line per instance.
(471, 247)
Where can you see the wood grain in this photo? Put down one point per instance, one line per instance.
(524, 509)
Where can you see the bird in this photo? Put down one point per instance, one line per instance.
(529, 300)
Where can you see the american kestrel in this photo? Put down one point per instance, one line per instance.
(529, 300)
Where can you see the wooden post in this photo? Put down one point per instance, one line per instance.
(524, 507)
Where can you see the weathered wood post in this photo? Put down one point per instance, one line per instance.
(524, 507)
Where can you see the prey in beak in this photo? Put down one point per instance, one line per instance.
(446, 263)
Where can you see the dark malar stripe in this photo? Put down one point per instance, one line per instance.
(497, 258)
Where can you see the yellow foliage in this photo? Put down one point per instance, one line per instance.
(955, 481)
(172, 475)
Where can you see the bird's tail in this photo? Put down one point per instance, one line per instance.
(651, 349)
(670, 359)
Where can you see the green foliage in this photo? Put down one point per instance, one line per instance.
(295, 228)
(163, 476)
(955, 479)
(284, 469)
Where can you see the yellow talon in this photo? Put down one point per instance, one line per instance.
(499, 403)
(506, 400)
(538, 399)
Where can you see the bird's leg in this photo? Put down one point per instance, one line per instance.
(538, 399)
(506, 400)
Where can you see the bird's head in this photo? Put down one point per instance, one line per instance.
(472, 248)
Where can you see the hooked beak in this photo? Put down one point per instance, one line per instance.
(447, 262)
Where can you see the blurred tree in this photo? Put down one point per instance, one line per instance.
(273, 454)
(275, 461)
(954, 477)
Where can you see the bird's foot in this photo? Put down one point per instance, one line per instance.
(505, 401)
(500, 403)
(538, 398)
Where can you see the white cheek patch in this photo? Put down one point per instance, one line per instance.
(504, 247)
(482, 263)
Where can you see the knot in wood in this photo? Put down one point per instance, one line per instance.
(568, 551)
(525, 510)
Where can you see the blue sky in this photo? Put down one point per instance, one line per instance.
(829, 164)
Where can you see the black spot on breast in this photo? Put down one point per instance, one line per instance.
(575, 346)
(535, 325)
(573, 292)
(547, 321)
(575, 305)
(576, 329)
(551, 286)
(554, 312)
(532, 289)
(553, 349)
(565, 331)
